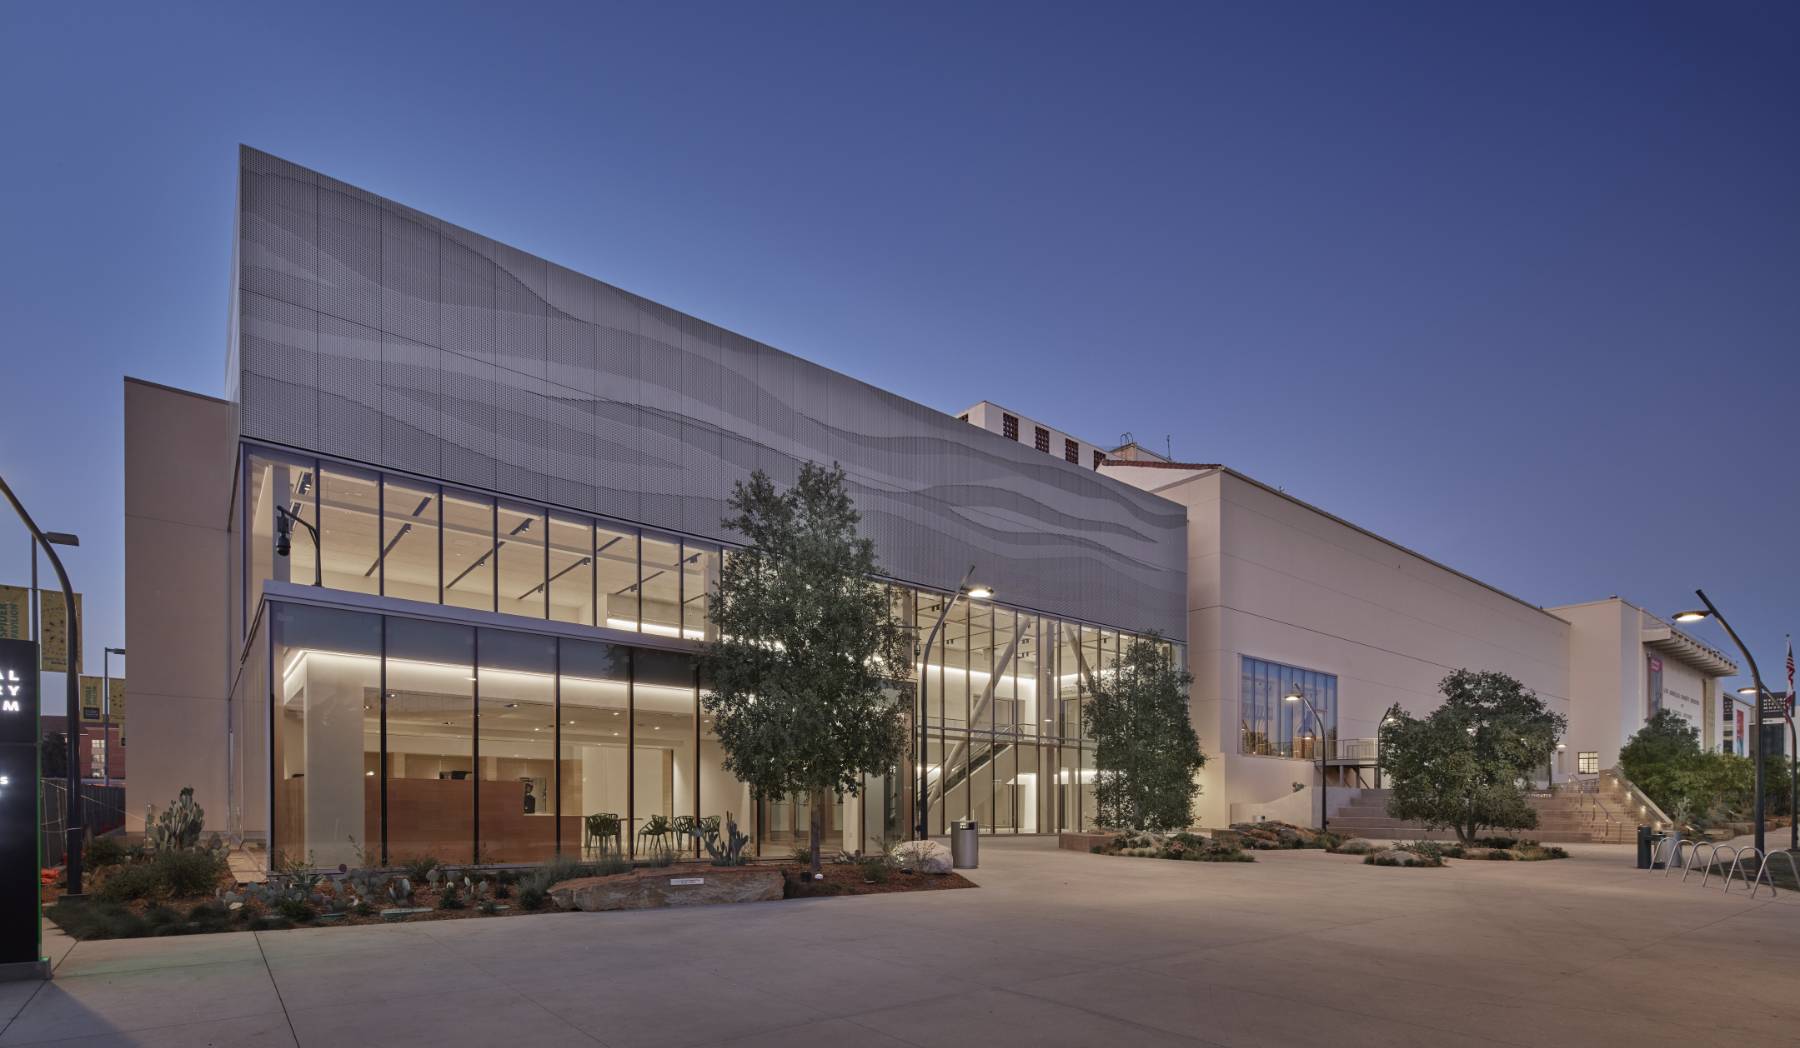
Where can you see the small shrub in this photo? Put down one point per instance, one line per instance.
(85, 921)
(803, 854)
(364, 909)
(104, 851)
(875, 869)
(128, 883)
(450, 898)
(506, 877)
(185, 874)
(530, 897)
(503, 890)
(416, 867)
(298, 911)
(488, 908)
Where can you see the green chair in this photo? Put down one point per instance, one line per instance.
(656, 828)
(597, 828)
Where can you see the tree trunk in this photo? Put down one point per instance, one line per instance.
(818, 821)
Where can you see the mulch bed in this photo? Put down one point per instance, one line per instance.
(839, 880)
(849, 880)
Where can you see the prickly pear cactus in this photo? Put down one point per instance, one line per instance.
(178, 828)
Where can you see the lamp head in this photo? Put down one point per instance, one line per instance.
(282, 530)
(1747, 691)
(1293, 695)
(1692, 616)
(979, 592)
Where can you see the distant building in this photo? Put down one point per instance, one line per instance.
(102, 749)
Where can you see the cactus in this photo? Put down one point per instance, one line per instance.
(731, 853)
(179, 827)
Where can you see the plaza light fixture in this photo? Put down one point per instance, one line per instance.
(1294, 695)
(1758, 691)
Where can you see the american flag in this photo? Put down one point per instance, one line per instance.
(1790, 676)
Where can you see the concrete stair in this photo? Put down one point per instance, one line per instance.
(1563, 818)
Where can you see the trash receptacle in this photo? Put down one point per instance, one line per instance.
(1656, 848)
(965, 844)
(1643, 847)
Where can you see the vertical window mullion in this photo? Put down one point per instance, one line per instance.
(631, 748)
(475, 748)
(382, 764)
(594, 575)
(494, 565)
(556, 756)
(381, 533)
(439, 501)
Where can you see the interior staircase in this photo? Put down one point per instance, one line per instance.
(1565, 816)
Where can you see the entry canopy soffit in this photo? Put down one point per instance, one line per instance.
(1672, 643)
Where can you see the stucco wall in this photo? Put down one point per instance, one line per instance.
(177, 505)
(1273, 578)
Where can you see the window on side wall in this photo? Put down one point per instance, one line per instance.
(1009, 426)
(1072, 451)
(1043, 440)
(1270, 726)
(1099, 457)
(1587, 762)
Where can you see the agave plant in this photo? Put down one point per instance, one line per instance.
(728, 853)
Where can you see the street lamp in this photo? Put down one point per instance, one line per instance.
(73, 821)
(920, 798)
(1294, 695)
(284, 526)
(1756, 677)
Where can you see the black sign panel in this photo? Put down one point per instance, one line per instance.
(19, 734)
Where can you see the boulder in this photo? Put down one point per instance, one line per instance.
(1363, 842)
(923, 856)
(658, 886)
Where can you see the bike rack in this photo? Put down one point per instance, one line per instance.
(1711, 858)
(1765, 865)
(1674, 858)
(1760, 854)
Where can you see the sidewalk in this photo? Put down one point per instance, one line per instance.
(1056, 948)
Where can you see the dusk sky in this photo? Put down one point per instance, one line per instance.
(1516, 286)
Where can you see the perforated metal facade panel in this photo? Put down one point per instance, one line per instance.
(370, 331)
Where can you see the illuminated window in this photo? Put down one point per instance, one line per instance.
(1072, 451)
(1043, 440)
(1274, 727)
(1587, 762)
(1009, 426)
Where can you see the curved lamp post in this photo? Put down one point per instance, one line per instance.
(72, 838)
(284, 528)
(920, 794)
(1756, 677)
(1295, 695)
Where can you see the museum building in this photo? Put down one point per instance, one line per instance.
(430, 579)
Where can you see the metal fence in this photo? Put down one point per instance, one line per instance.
(102, 810)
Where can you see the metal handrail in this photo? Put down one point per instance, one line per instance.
(1754, 888)
(1660, 817)
(1594, 793)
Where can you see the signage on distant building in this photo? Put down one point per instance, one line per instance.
(54, 630)
(15, 613)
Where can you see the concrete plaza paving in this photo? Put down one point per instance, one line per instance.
(1055, 948)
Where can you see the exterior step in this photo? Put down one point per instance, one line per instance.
(1563, 818)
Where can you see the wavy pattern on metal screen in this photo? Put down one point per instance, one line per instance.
(371, 331)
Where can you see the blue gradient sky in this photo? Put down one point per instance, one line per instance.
(1512, 285)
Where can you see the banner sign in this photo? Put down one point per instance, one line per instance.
(19, 838)
(55, 630)
(91, 702)
(15, 613)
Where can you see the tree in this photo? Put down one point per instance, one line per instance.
(1664, 760)
(800, 680)
(1145, 749)
(1468, 764)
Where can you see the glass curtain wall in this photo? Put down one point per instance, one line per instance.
(472, 744)
(401, 537)
(1005, 740)
(1274, 727)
